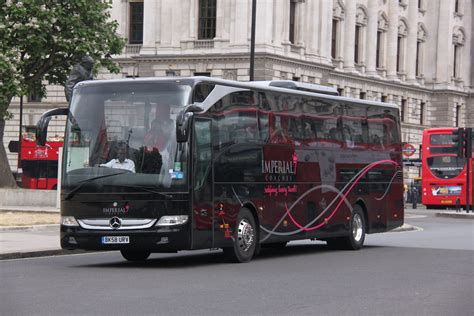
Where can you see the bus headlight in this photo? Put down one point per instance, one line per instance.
(172, 220)
(68, 221)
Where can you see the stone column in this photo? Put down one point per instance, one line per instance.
(325, 18)
(444, 59)
(370, 56)
(312, 30)
(349, 35)
(392, 35)
(411, 41)
(149, 28)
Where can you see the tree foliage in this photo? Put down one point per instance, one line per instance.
(40, 41)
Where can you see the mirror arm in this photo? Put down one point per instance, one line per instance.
(42, 125)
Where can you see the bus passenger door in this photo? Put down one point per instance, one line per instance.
(202, 184)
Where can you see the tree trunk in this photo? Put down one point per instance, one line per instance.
(6, 176)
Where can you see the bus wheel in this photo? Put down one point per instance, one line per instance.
(357, 230)
(244, 238)
(132, 255)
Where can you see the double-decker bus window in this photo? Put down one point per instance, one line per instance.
(441, 139)
(446, 167)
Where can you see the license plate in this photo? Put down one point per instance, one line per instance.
(446, 202)
(115, 239)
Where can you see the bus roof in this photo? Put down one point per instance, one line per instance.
(252, 85)
(438, 130)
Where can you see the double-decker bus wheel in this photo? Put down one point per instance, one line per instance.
(357, 230)
(132, 255)
(244, 238)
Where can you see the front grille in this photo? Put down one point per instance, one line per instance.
(126, 223)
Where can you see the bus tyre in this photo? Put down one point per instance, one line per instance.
(132, 255)
(357, 229)
(244, 238)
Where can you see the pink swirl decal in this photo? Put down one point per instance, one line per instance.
(326, 220)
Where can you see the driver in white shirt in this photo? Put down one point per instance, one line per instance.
(121, 162)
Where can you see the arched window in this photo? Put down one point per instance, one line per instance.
(421, 39)
(337, 18)
(401, 45)
(360, 29)
(382, 27)
(458, 44)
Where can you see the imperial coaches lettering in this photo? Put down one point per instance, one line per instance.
(169, 164)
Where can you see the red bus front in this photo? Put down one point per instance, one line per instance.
(444, 174)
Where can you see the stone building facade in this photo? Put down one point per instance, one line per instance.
(414, 53)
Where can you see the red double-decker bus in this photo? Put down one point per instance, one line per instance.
(443, 173)
(39, 163)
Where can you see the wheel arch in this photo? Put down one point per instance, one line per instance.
(362, 204)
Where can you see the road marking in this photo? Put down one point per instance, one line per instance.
(415, 216)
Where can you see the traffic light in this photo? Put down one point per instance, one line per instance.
(468, 142)
(458, 142)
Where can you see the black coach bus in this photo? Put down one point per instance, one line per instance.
(168, 164)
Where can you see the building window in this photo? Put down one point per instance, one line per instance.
(292, 21)
(456, 61)
(362, 95)
(136, 23)
(422, 113)
(458, 43)
(207, 19)
(378, 56)
(403, 110)
(383, 98)
(456, 6)
(418, 59)
(421, 38)
(340, 91)
(357, 44)
(458, 115)
(382, 27)
(401, 39)
(361, 22)
(34, 97)
(334, 38)
(202, 74)
(399, 55)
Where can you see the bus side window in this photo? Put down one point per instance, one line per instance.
(201, 91)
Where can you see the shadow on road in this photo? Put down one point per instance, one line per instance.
(192, 259)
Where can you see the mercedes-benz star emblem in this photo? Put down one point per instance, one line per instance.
(115, 222)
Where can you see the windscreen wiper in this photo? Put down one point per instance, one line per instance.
(73, 191)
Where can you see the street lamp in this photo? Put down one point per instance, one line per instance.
(252, 40)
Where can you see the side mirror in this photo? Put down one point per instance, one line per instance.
(183, 122)
(182, 126)
(42, 125)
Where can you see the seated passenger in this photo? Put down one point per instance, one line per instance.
(121, 162)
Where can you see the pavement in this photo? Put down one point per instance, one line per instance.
(43, 240)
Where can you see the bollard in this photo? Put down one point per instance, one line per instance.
(414, 197)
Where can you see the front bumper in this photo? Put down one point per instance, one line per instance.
(154, 239)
